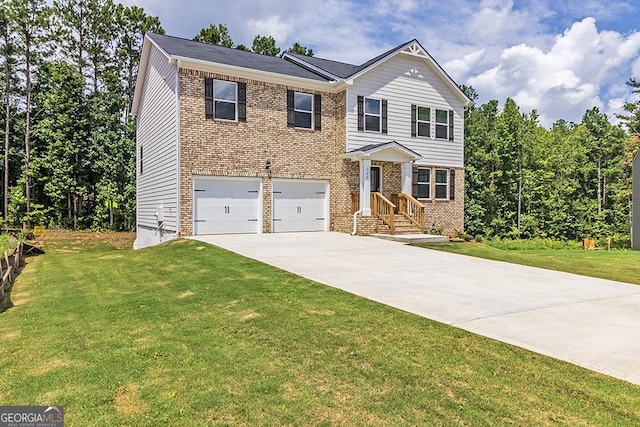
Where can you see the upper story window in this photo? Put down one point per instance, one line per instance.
(225, 100)
(304, 110)
(423, 121)
(372, 114)
(442, 124)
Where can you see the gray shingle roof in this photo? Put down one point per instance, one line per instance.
(339, 69)
(344, 70)
(176, 46)
(375, 147)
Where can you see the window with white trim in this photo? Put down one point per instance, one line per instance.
(372, 114)
(423, 120)
(442, 124)
(442, 184)
(303, 110)
(225, 100)
(424, 183)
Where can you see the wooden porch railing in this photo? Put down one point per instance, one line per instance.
(355, 202)
(412, 209)
(382, 208)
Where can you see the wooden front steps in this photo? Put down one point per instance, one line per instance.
(402, 226)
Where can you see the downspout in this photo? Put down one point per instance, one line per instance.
(355, 222)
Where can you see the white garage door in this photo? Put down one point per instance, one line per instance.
(299, 205)
(226, 205)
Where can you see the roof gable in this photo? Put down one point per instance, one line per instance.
(391, 151)
(350, 72)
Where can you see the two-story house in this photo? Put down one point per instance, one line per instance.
(235, 142)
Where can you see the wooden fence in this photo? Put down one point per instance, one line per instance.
(10, 264)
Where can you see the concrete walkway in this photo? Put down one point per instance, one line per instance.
(590, 322)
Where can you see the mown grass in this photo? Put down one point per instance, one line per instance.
(619, 265)
(187, 334)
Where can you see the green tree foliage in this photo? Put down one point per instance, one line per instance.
(30, 21)
(265, 46)
(72, 110)
(215, 34)
(300, 50)
(523, 180)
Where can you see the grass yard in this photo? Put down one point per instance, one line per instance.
(619, 265)
(186, 334)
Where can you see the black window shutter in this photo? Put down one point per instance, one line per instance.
(291, 117)
(414, 123)
(242, 102)
(317, 111)
(450, 125)
(208, 98)
(360, 113)
(384, 116)
(414, 182)
(452, 184)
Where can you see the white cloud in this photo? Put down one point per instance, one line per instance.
(564, 81)
(457, 68)
(542, 53)
(271, 26)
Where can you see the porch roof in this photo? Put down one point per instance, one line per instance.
(391, 151)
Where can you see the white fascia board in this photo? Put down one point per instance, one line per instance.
(264, 76)
(311, 67)
(142, 71)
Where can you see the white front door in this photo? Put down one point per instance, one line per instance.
(300, 205)
(226, 205)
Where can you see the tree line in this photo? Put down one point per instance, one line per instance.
(568, 182)
(68, 76)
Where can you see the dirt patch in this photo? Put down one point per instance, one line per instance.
(248, 315)
(186, 294)
(52, 365)
(322, 312)
(117, 239)
(129, 401)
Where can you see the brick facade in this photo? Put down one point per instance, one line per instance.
(223, 148)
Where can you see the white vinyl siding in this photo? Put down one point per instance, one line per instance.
(405, 81)
(157, 137)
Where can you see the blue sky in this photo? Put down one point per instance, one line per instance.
(558, 57)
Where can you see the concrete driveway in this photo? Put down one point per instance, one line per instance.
(590, 322)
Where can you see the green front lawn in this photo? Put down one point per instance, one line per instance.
(187, 334)
(619, 265)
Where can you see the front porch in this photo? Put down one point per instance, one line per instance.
(399, 214)
(382, 202)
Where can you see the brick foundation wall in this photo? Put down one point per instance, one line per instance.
(367, 225)
(223, 148)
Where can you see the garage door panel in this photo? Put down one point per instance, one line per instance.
(226, 205)
(299, 205)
